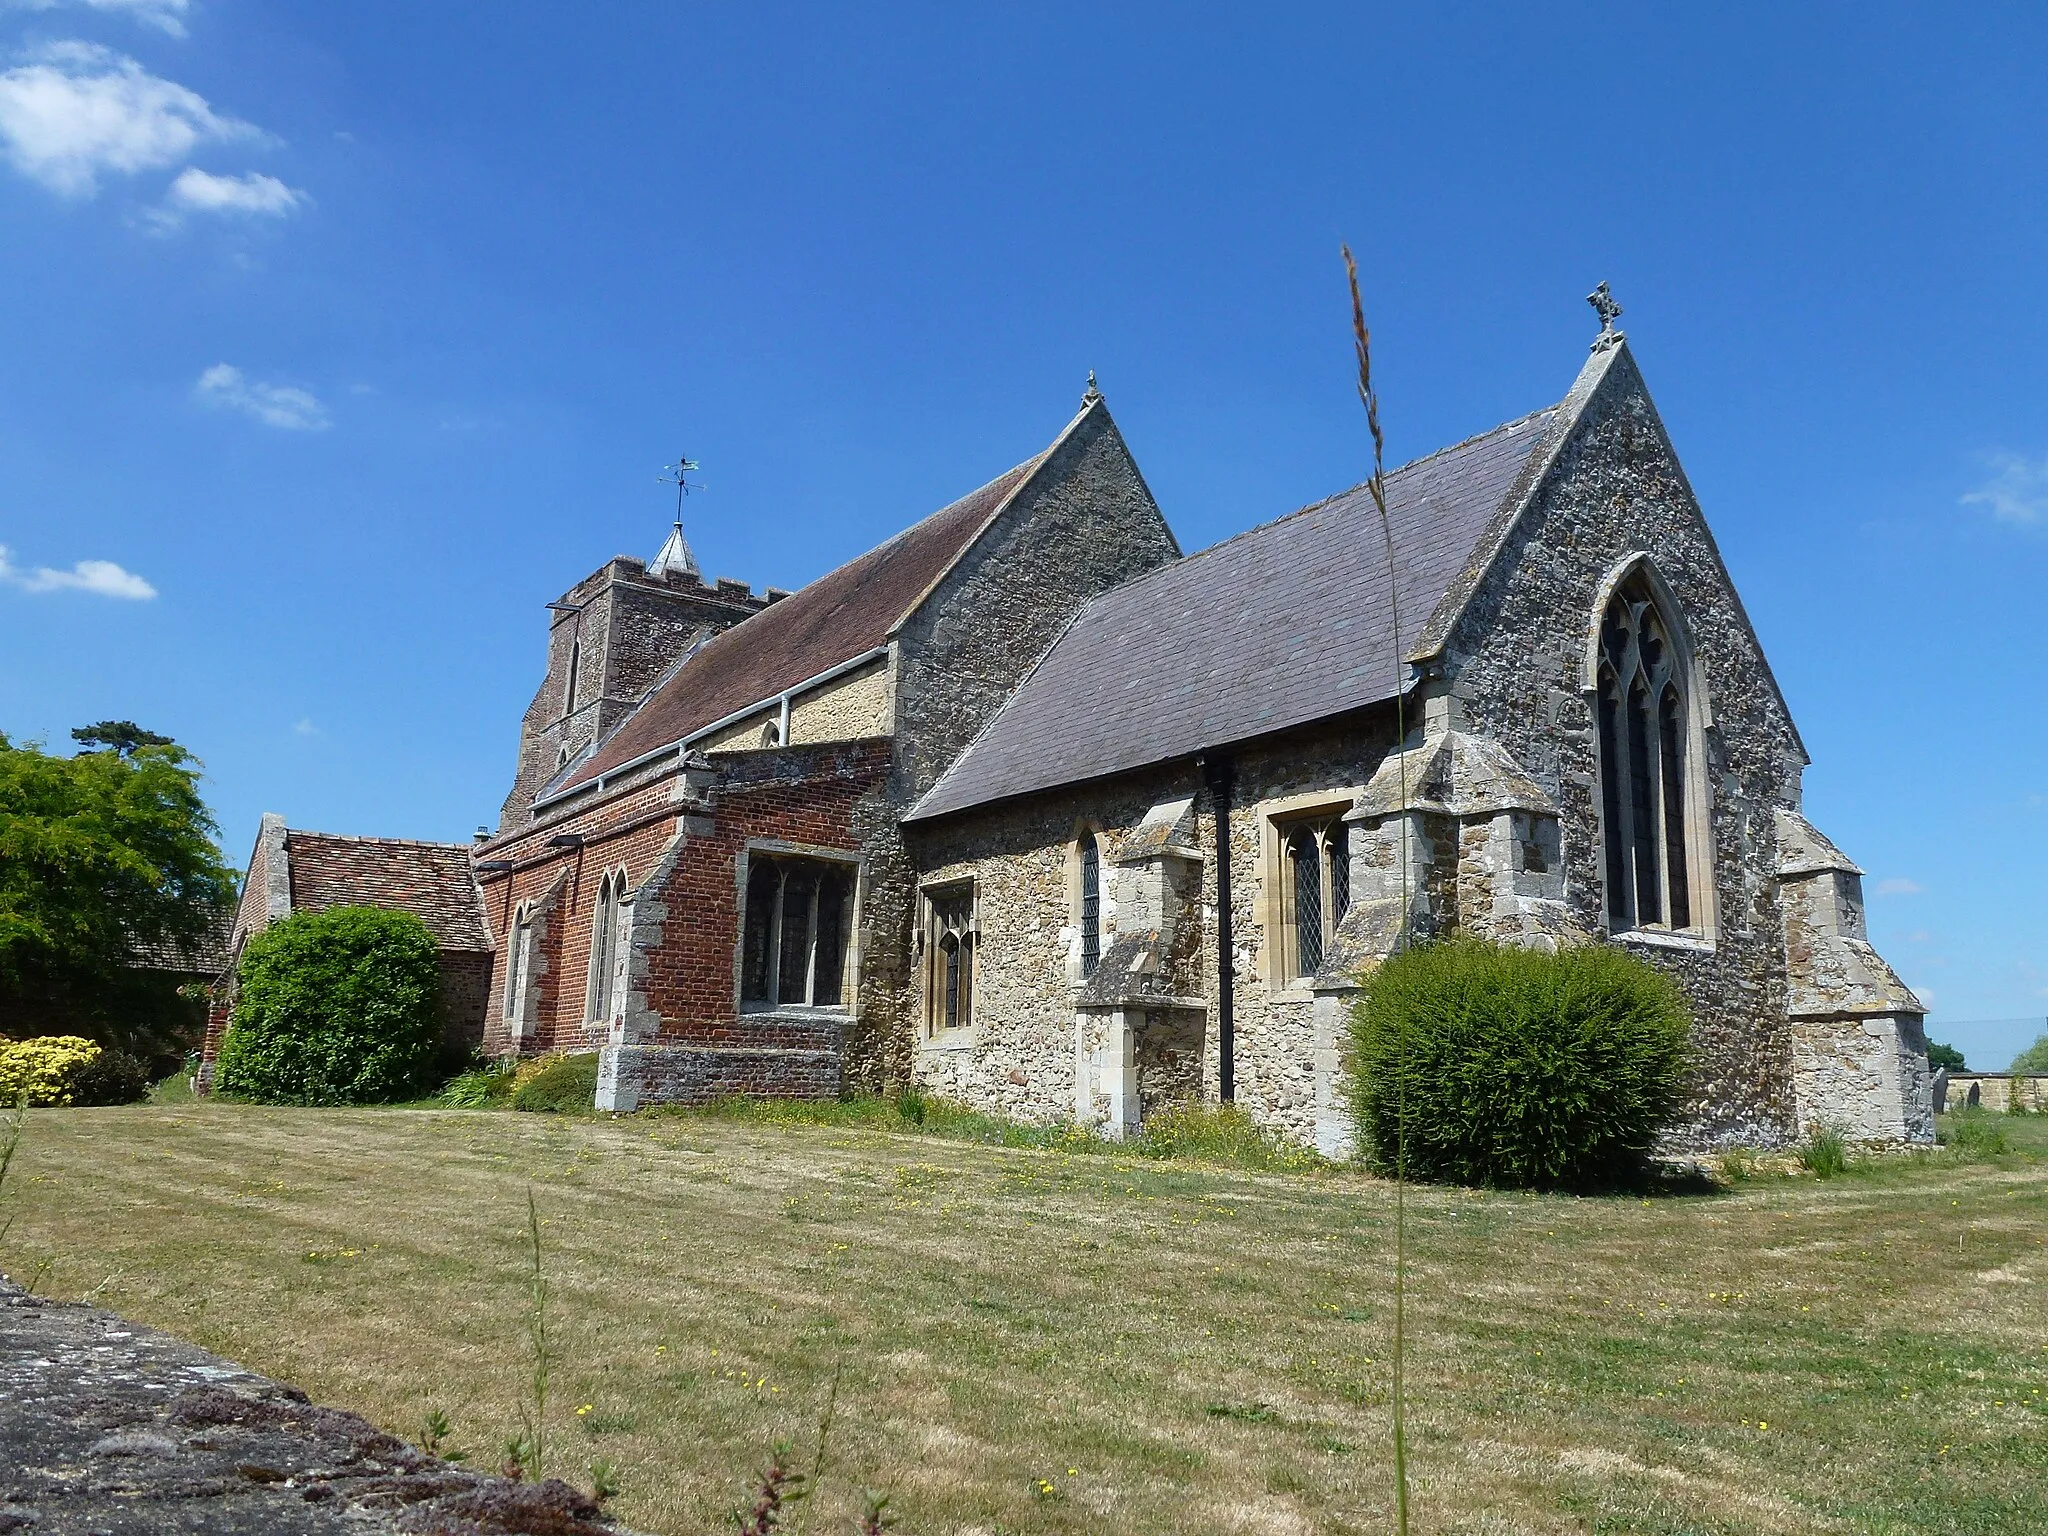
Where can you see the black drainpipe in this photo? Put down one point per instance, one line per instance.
(1226, 951)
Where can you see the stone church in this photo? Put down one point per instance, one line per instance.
(1028, 807)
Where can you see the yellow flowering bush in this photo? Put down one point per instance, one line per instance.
(46, 1068)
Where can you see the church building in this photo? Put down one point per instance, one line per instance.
(1029, 808)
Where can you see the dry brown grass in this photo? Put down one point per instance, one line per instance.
(1164, 1348)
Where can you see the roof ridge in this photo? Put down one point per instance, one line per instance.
(1315, 506)
(358, 837)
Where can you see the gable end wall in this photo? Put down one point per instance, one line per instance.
(1515, 661)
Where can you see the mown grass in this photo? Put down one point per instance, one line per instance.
(1064, 1340)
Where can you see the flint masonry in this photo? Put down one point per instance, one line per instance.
(1028, 807)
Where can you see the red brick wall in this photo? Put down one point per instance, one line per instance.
(805, 795)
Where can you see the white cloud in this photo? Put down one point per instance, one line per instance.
(306, 727)
(1926, 996)
(102, 577)
(197, 191)
(2017, 491)
(76, 110)
(164, 15)
(275, 405)
(1899, 886)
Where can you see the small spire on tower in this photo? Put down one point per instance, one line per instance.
(675, 550)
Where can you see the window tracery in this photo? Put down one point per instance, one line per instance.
(1645, 732)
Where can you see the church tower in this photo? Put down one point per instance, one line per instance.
(611, 638)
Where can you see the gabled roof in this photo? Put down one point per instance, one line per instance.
(433, 881)
(842, 615)
(1274, 628)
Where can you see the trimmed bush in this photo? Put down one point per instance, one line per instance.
(556, 1084)
(1515, 1068)
(335, 1007)
(46, 1069)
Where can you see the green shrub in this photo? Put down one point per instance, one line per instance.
(112, 1077)
(1511, 1067)
(1976, 1132)
(559, 1085)
(335, 1007)
(1825, 1153)
(1939, 1056)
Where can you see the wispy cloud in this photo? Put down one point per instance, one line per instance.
(2017, 491)
(254, 195)
(165, 15)
(1898, 885)
(101, 577)
(76, 110)
(275, 405)
(306, 727)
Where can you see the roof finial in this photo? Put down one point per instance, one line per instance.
(1091, 394)
(1607, 309)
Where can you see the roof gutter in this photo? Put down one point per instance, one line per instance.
(683, 744)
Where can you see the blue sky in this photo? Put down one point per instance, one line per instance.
(341, 338)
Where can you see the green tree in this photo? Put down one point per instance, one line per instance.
(2034, 1058)
(1939, 1056)
(118, 736)
(335, 1007)
(104, 857)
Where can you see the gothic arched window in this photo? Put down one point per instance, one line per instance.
(611, 932)
(1645, 742)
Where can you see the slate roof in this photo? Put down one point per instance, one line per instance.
(433, 881)
(1279, 626)
(836, 618)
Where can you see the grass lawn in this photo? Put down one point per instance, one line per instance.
(1045, 1341)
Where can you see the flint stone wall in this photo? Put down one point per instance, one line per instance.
(1515, 663)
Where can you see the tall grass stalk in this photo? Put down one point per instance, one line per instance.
(11, 1126)
(1377, 485)
(540, 1345)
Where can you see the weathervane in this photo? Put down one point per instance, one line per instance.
(1607, 309)
(678, 475)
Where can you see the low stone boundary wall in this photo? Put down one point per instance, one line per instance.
(2002, 1092)
(634, 1076)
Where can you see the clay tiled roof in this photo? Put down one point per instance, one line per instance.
(433, 881)
(1282, 625)
(208, 957)
(836, 618)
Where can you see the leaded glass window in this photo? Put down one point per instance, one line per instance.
(1091, 904)
(1316, 891)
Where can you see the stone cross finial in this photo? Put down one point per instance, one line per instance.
(1607, 309)
(1091, 394)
